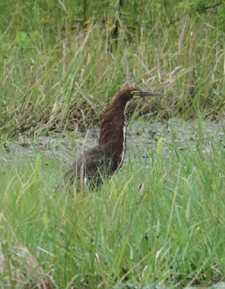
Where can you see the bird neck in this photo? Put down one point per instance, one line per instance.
(113, 131)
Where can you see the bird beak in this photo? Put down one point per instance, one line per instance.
(139, 94)
(146, 93)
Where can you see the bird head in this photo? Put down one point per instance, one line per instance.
(130, 93)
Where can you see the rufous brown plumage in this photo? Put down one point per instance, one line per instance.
(107, 157)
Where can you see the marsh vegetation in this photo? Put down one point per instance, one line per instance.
(61, 64)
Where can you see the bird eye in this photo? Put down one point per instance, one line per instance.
(136, 93)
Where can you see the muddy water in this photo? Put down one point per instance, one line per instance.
(140, 137)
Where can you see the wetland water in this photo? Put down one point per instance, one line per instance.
(141, 138)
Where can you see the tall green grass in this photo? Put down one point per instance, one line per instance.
(59, 71)
(171, 233)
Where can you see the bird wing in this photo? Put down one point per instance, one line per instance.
(95, 164)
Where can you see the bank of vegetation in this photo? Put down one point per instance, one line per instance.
(62, 62)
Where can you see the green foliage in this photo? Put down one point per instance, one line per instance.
(170, 233)
(61, 64)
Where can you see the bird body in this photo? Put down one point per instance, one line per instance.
(107, 157)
